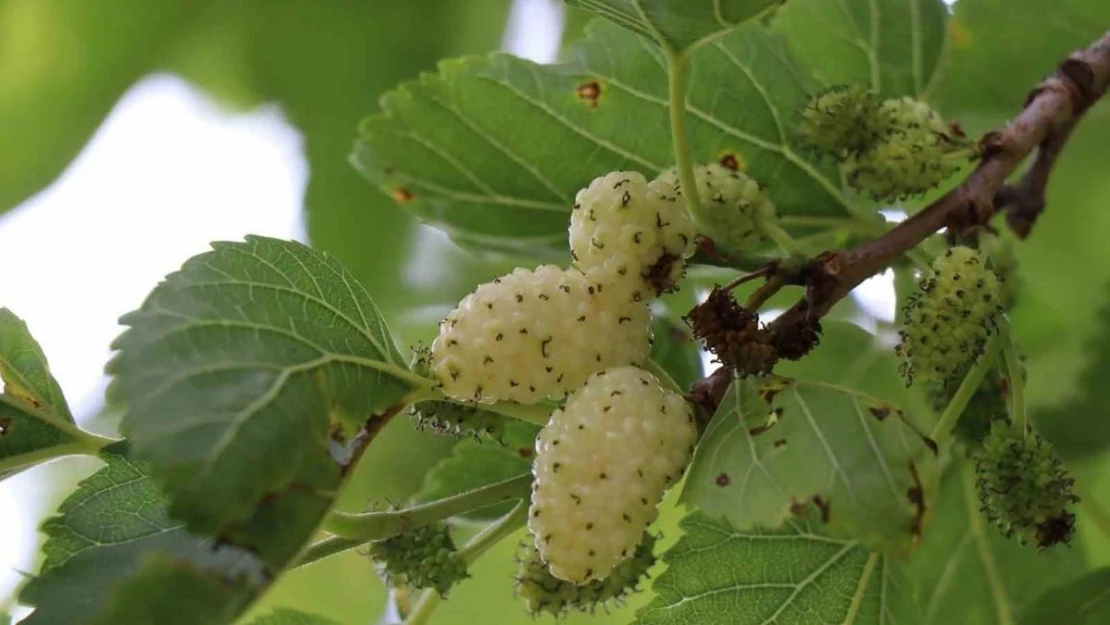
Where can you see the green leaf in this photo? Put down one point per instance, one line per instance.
(967, 573)
(1085, 601)
(104, 534)
(678, 24)
(473, 464)
(35, 421)
(493, 150)
(285, 616)
(24, 370)
(985, 35)
(793, 575)
(244, 376)
(674, 349)
(778, 446)
(1071, 426)
(174, 591)
(894, 46)
(852, 357)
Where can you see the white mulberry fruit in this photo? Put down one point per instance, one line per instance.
(626, 227)
(603, 463)
(946, 324)
(732, 204)
(530, 335)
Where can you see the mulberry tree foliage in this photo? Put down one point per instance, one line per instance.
(513, 420)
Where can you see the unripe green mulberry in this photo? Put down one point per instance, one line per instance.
(732, 204)
(543, 592)
(424, 557)
(637, 231)
(914, 151)
(946, 324)
(530, 335)
(451, 419)
(603, 462)
(1024, 488)
(840, 120)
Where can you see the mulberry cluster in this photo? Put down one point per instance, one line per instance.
(603, 463)
(421, 558)
(605, 458)
(946, 324)
(543, 592)
(1024, 488)
(892, 149)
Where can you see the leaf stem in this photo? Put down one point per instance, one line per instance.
(771, 228)
(678, 63)
(943, 429)
(378, 525)
(1016, 381)
(423, 608)
(326, 548)
(494, 533)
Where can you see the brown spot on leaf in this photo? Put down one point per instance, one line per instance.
(525, 452)
(780, 443)
(590, 93)
(824, 506)
(722, 480)
(401, 194)
(730, 161)
(772, 419)
(770, 389)
(798, 508)
(880, 412)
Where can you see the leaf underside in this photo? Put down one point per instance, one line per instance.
(677, 24)
(778, 447)
(34, 415)
(793, 575)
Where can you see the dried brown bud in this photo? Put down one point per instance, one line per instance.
(733, 334)
(796, 339)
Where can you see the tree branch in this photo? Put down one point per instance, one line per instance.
(1049, 115)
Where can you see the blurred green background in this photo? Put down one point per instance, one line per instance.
(64, 65)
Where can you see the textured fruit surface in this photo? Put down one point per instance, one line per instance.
(1024, 488)
(543, 592)
(840, 120)
(530, 335)
(602, 464)
(730, 207)
(421, 558)
(624, 226)
(913, 152)
(946, 324)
